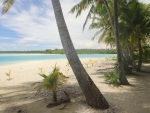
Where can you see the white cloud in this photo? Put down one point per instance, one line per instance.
(36, 25)
(5, 38)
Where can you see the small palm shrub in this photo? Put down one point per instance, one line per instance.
(112, 78)
(51, 82)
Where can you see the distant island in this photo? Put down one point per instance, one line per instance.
(61, 51)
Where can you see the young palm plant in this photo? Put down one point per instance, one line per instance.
(8, 74)
(51, 82)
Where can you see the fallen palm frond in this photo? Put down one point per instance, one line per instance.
(67, 99)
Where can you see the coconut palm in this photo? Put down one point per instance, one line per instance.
(84, 5)
(120, 60)
(101, 22)
(135, 21)
(94, 98)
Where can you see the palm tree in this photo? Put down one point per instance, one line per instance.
(94, 98)
(120, 60)
(134, 19)
(84, 5)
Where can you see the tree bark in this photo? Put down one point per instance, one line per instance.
(140, 55)
(54, 95)
(94, 98)
(122, 77)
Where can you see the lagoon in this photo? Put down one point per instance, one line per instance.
(14, 58)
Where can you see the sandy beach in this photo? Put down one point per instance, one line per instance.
(18, 96)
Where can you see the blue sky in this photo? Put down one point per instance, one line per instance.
(30, 25)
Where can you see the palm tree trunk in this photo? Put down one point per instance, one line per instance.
(94, 98)
(54, 95)
(129, 50)
(122, 78)
(140, 55)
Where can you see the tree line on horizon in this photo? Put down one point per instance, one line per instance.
(61, 51)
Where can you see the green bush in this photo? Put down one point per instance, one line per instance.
(128, 66)
(112, 78)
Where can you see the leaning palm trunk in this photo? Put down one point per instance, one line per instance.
(140, 55)
(122, 77)
(94, 98)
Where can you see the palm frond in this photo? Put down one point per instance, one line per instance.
(6, 5)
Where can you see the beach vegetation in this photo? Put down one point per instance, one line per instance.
(51, 81)
(135, 21)
(82, 51)
(8, 74)
(92, 62)
(67, 64)
(41, 69)
(129, 66)
(112, 78)
(61, 51)
(87, 64)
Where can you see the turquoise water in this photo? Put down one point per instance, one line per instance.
(14, 58)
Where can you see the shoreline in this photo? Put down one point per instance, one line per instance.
(6, 59)
(28, 61)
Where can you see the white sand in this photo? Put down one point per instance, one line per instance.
(17, 94)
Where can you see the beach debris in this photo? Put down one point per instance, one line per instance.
(8, 73)
(106, 68)
(19, 111)
(66, 100)
(41, 69)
